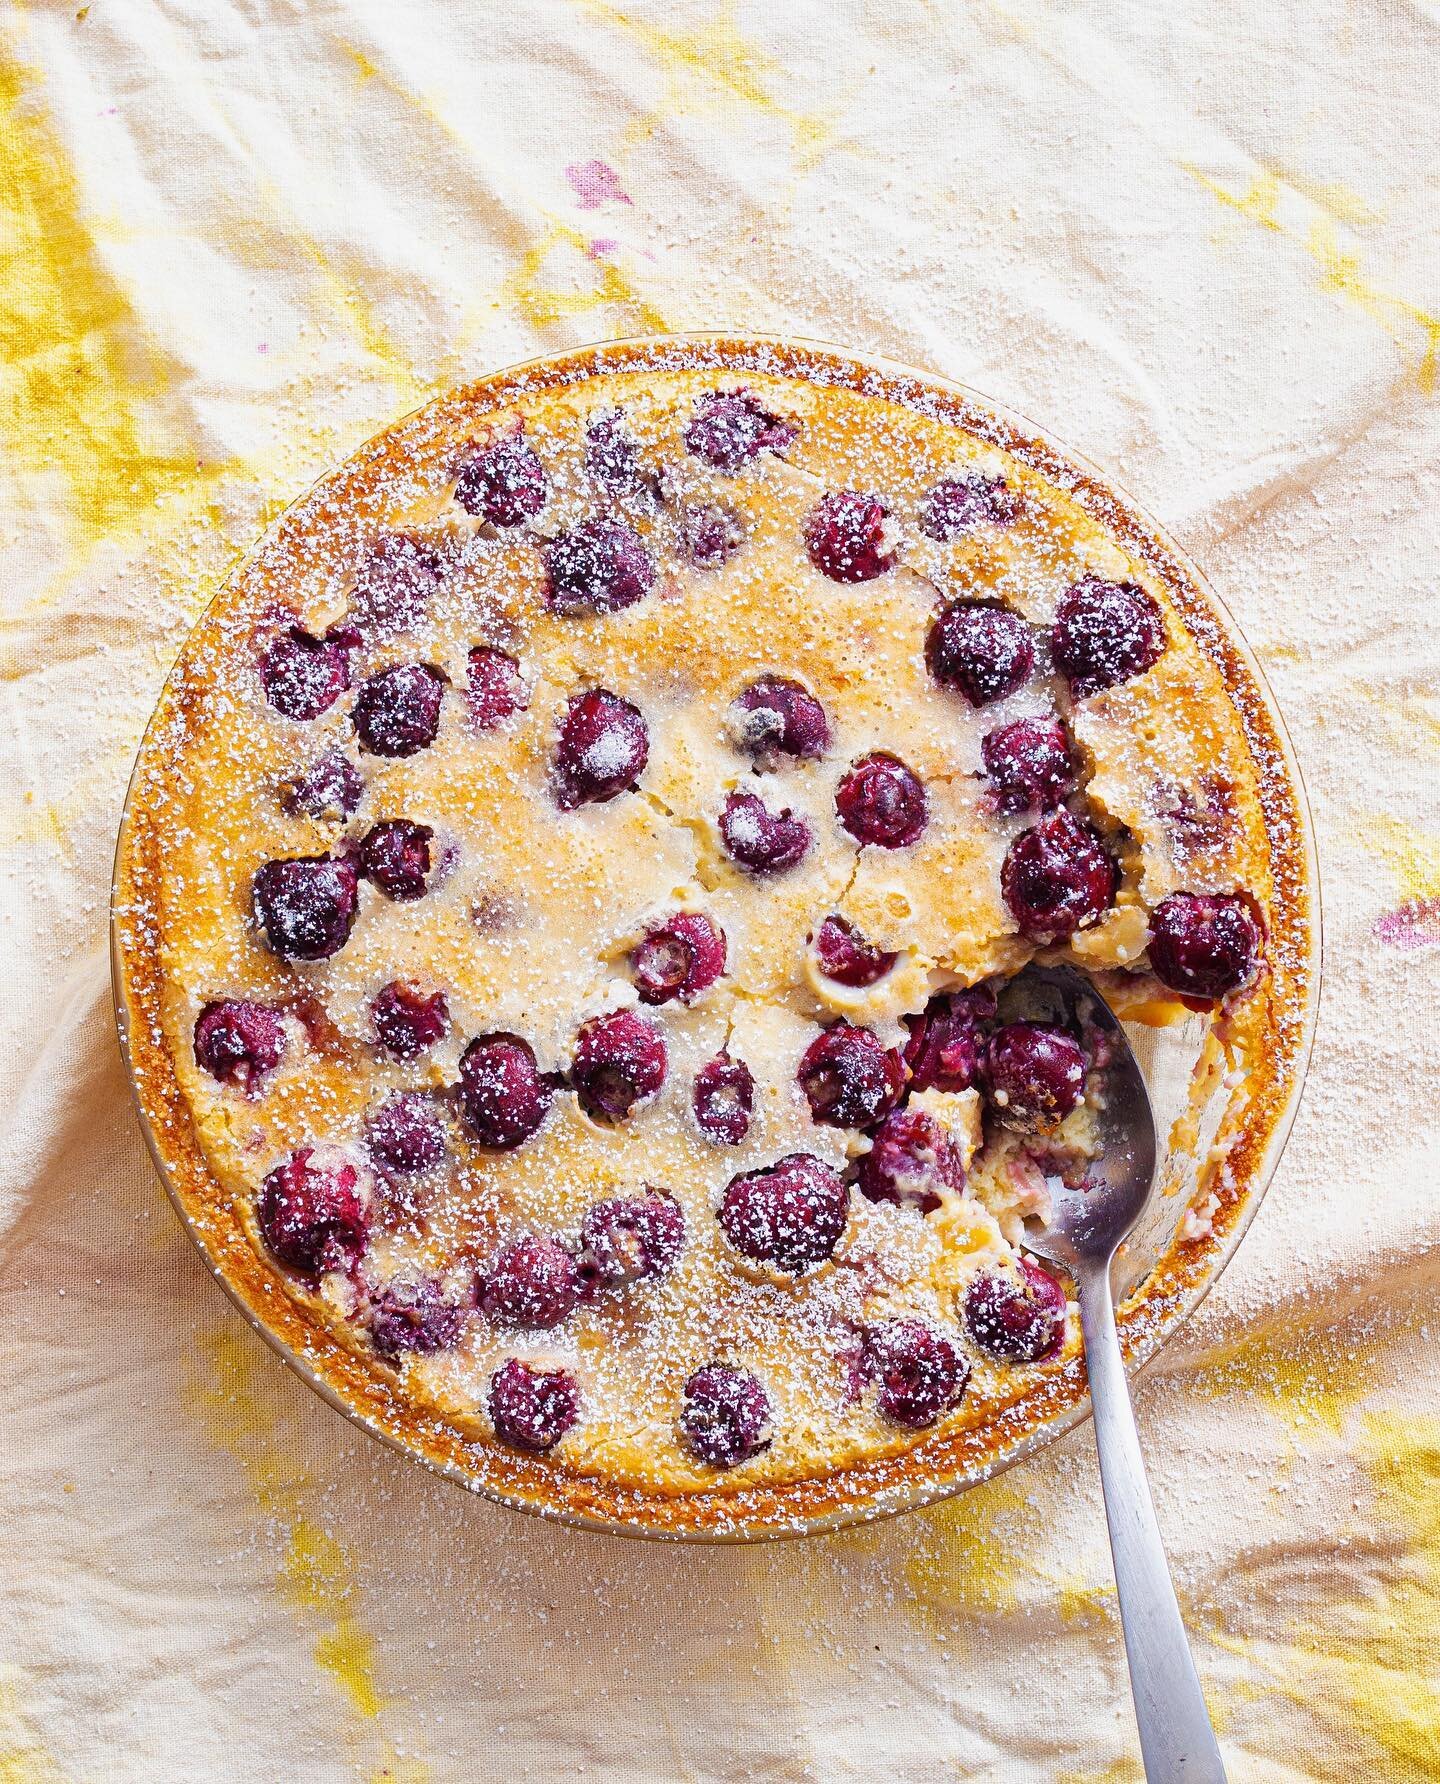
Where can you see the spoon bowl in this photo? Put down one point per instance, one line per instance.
(1091, 1218)
(1088, 1221)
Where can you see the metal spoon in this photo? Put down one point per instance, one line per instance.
(1086, 1226)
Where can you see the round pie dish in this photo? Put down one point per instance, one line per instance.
(565, 907)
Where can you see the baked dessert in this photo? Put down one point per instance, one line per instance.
(568, 899)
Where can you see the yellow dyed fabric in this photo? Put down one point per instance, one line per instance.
(1196, 241)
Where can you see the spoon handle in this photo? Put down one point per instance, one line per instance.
(1176, 1738)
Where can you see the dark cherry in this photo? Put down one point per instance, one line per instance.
(1034, 1076)
(723, 1100)
(725, 1416)
(329, 789)
(612, 456)
(681, 958)
(1016, 1318)
(397, 711)
(981, 651)
(968, 500)
(776, 717)
(505, 484)
(406, 1135)
(1029, 765)
(602, 749)
(532, 1282)
(1204, 945)
(313, 1217)
(710, 535)
(1104, 633)
(850, 1078)
(239, 1042)
(919, 1374)
(307, 905)
(759, 840)
(415, 1316)
(911, 1160)
(791, 1214)
(394, 586)
(1057, 877)
(304, 676)
(845, 956)
(731, 427)
(629, 1238)
(845, 537)
(599, 566)
(619, 1061)
(946, 1041)
(532, 1408)
(395, 858)
(503, 1095)
(882, 802)
(493, 687)
(408, 1020)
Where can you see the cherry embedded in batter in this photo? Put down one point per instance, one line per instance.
(723, 1100)
(725, 1416)
(304, 676)
(239, 1042)
(493, 687)
(602, 749)
(1204, 946)
(619, 1062)
(730, 428)
(407, 1019)
(1105, 633)
(532, 1283)
(790, 1214)
(504, 484)
(759, 840)
(1058, 877)
(314, 1216)
(1016, 1317)
(503, 1095)
(397, 711)
(970, 499)
(626, 1239)
(980, 650)
(918, 1373)
(680, 958)
(710, 535)
(307, 905)
(532, 1408)
(329, 790)
(911, 1161)
(1029, 765)
(845, 956)
(850, 1078)
(882, 803)
(947, 1040)
(406, 1135)
(599, 566)
(776, 717)
(415, 1316)
(846, 537)
(395, 858)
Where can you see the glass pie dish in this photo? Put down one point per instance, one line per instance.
(461, 488)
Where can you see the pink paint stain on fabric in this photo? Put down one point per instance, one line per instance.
(595, 183)
(1415, 924)
(601, 247)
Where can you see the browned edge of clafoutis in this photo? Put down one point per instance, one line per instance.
(1278, 1018)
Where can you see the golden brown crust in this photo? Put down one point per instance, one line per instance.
(1268, 1029)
